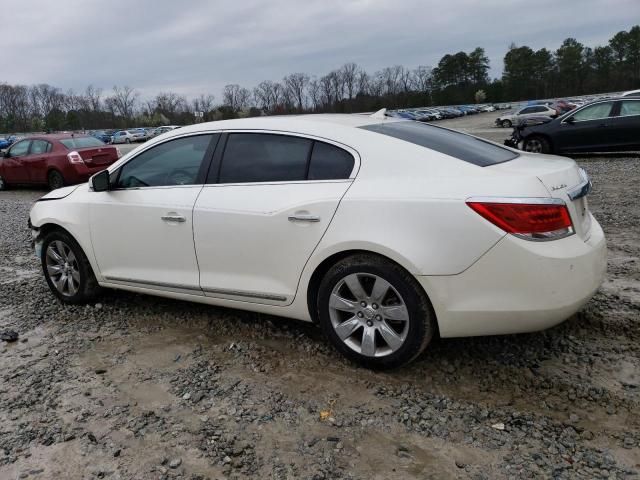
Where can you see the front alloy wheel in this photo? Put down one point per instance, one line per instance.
(67, 269)
(62, 267)
(374, 311)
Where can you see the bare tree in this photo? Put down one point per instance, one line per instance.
(314, 94)
(93, 94)
(203, 103)
(236, 97)
(124, 101)
(170, 104)
(268, 95)
(295, 86)
(350, 73)
(422, 78)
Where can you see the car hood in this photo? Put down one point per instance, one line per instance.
(59, 193)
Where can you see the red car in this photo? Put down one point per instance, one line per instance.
(55, 160)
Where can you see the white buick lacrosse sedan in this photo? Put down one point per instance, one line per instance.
(383, 231)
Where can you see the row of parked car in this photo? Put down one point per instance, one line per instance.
(132, 135)
(430, 114)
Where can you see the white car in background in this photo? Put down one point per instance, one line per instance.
(124, 136)
(383, 231)
(508, 120)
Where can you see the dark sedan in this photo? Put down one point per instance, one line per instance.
(604, 125)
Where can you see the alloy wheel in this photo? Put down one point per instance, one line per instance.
(62, 268)
(368, 314)
(534, 146)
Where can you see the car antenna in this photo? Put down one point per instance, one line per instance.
(382, 113)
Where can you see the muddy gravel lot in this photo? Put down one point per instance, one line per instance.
(148, 388)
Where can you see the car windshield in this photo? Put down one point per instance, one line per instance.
(455, 144)
(81, 142)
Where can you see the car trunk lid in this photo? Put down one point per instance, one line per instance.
(98, 156)
(562, 178)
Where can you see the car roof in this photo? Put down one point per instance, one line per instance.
(56, 136)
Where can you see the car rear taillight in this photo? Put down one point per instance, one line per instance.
(531, 219)
(74, 157)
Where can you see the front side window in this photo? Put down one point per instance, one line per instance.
(263, 157)
(593, 112)
(630, 107)
(39, 146)
(176, 162)
(19, 149)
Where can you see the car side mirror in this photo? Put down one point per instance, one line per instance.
(100, 181)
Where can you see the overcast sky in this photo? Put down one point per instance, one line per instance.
(198, 46)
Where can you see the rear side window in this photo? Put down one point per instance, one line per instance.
(81, 142)
(263, 157)
(455, 144)
(329, 162)
(630, 107)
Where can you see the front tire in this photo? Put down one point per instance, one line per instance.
(375, 312)
(55, 180)
(506, 124)
(67, 269)
(126, 140)
(536, 144)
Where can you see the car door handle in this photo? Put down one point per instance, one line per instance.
(304, 218)
(174, 218)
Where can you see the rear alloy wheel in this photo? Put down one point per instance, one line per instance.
(506, 123)
(67, 269)
(55, 180)
(374, 312)
(536, 145)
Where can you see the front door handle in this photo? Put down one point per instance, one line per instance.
(173, 218)
(304, 218)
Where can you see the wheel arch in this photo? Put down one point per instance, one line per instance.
(323, 267)
(543, 136)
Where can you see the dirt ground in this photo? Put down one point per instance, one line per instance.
(137, 387)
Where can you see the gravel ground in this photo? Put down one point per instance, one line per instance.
(143, 387)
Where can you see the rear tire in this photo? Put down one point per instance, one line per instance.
(67, 269)
(3, 184)
(55, 180)
(126, 140)
(536, 144)
(374, 312)
(506, 124)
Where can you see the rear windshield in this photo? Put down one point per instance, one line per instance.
(82, 142)
(455, 144)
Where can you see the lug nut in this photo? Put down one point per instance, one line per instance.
(378, 317)
(360, 315)
(375, 306)
(369, 323)
(363, 304)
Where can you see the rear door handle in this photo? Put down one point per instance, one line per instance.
(304, 218)
(173, 218)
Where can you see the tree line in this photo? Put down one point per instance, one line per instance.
(458, 78)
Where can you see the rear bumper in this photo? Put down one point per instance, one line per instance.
(80, 173)
(519, 286)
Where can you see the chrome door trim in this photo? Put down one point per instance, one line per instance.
(246, 294)
(199, 291)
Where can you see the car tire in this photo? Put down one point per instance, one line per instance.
(126, 140)
(536, 144)
(395, 325)
(506, 124)
(3, 185)
(67, 269)
(55, 180)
